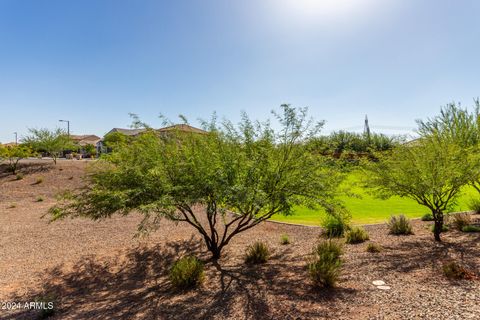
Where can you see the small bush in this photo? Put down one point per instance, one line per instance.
(400, 225)
(325, 263)
(257, 253)
(187, 273)
(284, 239)
(373, 247)
(356, 235)
(39, 199)
(474, 205)
(460, 220)
(453, 270)
(334, 226)
(19, 176)
(427, 217)
(471, 228)
(38, 181)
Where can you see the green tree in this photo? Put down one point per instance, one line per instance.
(13, 154)
(221, 183)
(432, 172)
(115, 140)
(455, 125)
(53, 142)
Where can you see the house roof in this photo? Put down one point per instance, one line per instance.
(127, 132)
(86, 139)
(180, 127)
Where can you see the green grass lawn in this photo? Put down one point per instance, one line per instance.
(368, 209)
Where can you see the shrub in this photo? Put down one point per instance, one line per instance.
(334, 225)
(39, 199)
(284, 239)
(427, 217)
(325, 263)
(13, 205)
(187, 272)
(356, 235)
(38, 181)
(453, 270)
(373, 247)
(474, 205)
(257, 253)
(471, 228)
(460, 220)
(399, 225)
(19, 176)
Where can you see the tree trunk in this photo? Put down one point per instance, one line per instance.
(215, 250)
(438, 226)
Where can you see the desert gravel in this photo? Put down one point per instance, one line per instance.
(98, 270)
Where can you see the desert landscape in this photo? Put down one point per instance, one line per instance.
(99, 270)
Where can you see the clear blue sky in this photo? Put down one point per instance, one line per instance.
(94, 61)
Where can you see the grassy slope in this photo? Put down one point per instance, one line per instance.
(368, 209)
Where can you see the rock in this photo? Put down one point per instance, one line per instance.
(383, 287)
(378, 283)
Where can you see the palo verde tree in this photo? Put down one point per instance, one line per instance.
(429, 170)
(222, 182)
(53, 142)
(455, 125)
(13, 154)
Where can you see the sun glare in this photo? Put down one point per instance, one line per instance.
(321, 10)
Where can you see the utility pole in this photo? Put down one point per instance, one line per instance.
(16, 138)
(366, 129)
(68, 126)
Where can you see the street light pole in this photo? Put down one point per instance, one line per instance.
(68, 126)
(16, 140)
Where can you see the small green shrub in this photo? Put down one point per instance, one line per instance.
(40, 199)
(284, 239)
(38, 181)
(325, 263)
(399, 225)
(374, 247)
(334, 226)
(471, 228)
(427, 217)
(356, 235)
(257, 253)
(187, 272)
(19, 176)
(453, 270)
(474, 205)
(460, 220)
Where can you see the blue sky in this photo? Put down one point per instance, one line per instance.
(94, 61)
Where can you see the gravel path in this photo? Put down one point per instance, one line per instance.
(97, 270)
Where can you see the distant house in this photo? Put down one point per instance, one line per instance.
(88, 139)
(127, 132)
(162, 131)
(180, 127)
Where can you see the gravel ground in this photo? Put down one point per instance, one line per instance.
(98, 270)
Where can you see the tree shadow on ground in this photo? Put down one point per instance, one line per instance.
(136, 285)
(415, 254)
(25, 168)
